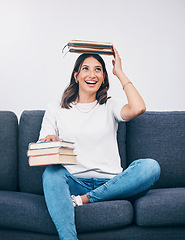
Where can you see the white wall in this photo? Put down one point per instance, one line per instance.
(149, 35)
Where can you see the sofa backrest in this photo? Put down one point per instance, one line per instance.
(8, 151)
(157, 135)
(161, 136)
(121, 139)
(30, 178)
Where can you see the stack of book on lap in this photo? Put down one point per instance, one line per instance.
(51, 152)
(80, 46)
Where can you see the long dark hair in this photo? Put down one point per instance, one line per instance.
(71, 92)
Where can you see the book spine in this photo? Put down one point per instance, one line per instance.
(31, 164)
(89, 51)
(89, 45)
(59, 147)
(53, 154)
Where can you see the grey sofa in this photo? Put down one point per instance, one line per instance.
(160, 214)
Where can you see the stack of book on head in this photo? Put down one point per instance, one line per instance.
(51, 152)
(80, 46)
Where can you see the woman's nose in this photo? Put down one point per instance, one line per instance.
(92, 73)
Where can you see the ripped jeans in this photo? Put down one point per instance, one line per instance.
(59, 185)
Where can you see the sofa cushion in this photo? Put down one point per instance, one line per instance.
(9, 151)
(30, 178)
(28, 212)
(121, 139)
(160, 207)
(161, 136)
(103, 215)
(134, 232)
(7, 234)
(24, 211)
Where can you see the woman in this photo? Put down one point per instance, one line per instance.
(89, 118)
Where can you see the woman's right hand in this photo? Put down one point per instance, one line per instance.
(50, 138)
(117, 66)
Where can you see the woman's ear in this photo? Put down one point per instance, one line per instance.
(75, 76)
(104, 76)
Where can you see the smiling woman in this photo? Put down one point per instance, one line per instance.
(89, 118)
(89, 79)
(89, 76)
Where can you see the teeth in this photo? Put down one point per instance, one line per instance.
(91, 82)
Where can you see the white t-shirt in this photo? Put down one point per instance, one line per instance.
(94, 134)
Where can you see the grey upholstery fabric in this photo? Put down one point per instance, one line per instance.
(8, 151)
(103, 215)
(25, 211)
(121, 139)
(133, 232)
(30, 178)
(161, 136)
(33, 214)
(161, 207)
(8, 234)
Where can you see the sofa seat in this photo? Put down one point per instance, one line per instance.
(25, 211)
(161, 207)
(109, 215)
(34, 216)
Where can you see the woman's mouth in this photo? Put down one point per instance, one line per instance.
(91, 82)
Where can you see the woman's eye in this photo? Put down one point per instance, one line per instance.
(84, 68)
(98, 69)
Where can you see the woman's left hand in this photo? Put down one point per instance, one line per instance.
(117, 68)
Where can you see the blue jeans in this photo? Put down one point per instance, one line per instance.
(59, 185)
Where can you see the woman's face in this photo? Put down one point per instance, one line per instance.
(90, 76)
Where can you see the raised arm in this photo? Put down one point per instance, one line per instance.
(135, 105)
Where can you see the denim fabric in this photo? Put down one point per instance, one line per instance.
(8, 151)
(137, 178)
(59, 185)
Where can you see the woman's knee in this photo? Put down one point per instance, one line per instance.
(154, 167)
(149, 166)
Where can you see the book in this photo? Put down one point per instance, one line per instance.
(49, 159)
(80, 46)
(90, 50)
(90, 44)
(50, 150)
(50, 144)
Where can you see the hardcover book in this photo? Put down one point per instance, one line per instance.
(49, 144)
(50, 159)
(51, 152)
(80, 46)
